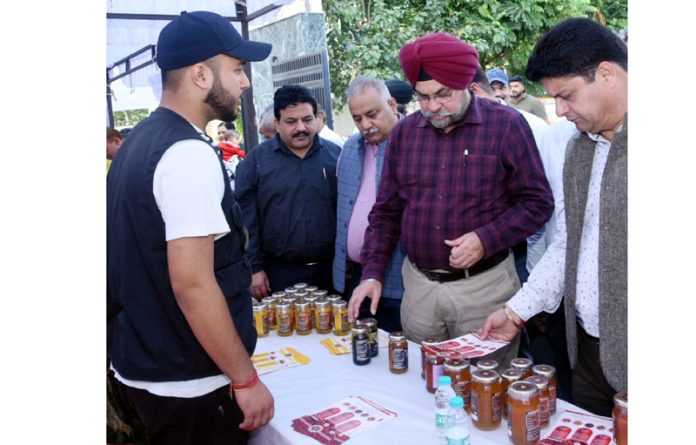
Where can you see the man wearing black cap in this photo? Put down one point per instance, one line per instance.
(520, 99)
(462, 183)
(179, 330)
(401, 94)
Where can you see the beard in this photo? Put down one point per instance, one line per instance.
(451, 116)
(223, 103)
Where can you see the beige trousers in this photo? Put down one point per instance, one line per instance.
(448, 310)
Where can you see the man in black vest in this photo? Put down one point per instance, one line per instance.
(179, 330)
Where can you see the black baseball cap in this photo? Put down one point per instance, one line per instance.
(197, 36)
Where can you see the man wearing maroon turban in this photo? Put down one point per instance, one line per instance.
(462, 183)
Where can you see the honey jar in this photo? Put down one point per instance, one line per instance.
(523, 364)
(303, 316)
(323, 316)
(319, 293)
(620, 417)
(487, 364)
(286, 319)
(340, 318)
(523, 423)
(272, 317)
(311, 299)
(543, 385)
(361, 345)
(373, 333)
(434, 368)
(486, 399)
(311, 289)
(260, 319)
(508, 377)
(460, 373)
(398, 353)
(549, 372)
(425, 342)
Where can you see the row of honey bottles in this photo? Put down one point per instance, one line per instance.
(299, 309)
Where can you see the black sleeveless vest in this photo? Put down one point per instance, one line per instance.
(148, 337)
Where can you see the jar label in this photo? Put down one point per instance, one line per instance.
(474, 406)
(497, 407)
(400, 359)
(532, 426)
(544, 409)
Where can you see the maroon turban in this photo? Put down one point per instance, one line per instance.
(443, 57)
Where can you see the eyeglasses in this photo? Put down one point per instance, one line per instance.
(440, 97)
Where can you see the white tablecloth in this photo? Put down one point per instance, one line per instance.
(310, 388)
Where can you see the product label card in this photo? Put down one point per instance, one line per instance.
(267, 362)
(573, 428)
(468, 346)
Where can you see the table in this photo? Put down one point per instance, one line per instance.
(328, 378)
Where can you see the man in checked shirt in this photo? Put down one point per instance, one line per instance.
(462, 183)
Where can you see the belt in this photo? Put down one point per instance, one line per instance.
(481, 266)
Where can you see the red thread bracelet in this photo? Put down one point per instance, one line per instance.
(243, 386)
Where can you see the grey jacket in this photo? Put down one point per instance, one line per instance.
(613, 250)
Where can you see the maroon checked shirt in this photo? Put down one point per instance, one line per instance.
(484, 176)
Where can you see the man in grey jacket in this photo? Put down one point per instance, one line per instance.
(584, 66)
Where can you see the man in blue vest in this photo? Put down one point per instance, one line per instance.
(359, 170)
(179, 331)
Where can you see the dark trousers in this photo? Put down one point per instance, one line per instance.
(591, 390)
(282, 274)
(213, 418)
(388, 309)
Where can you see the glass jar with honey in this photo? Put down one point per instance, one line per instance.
(487, 365)
(523, 423)
(508, 377)
(341, 325)
(323, 316)
(373, 333)
(303, 316)
(523, 364)
(425, 342)
(272, 317)
(486, 399)
(434, 368)
(620, 418)
(398, 353)
(543, 386)
(549, 372)
(260, 310)
(286, 319)
(460, 373)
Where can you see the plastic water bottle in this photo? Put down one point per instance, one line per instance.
(443, 394)
(457, 424)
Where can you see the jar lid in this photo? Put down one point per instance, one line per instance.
(369, 322)
(456, 364)
(301, 294)
(539, 380)
(340, 304)
(303, 305)
(334, 297)
(512, 374)
(487, 364)
(621, 399)
(290, 290)
(397, 336)
(521, 363)
(260, 306)
(311, 298)
(547, 371)
(282, 306)
(289, 299)
(278, 295)
(300, 285)
(485, 376)
(311, 289)
(359, 329)
(522, 390)
(269, 300)
(321, 302)
(319, 293)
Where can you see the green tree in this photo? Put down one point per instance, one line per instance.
(364, 36)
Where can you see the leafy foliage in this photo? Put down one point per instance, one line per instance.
(364, 36)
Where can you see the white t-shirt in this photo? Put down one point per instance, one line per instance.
(188, 186)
